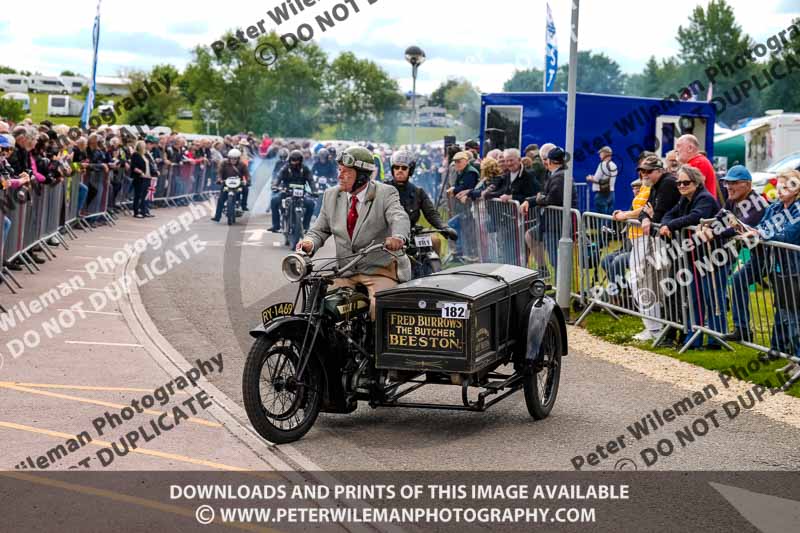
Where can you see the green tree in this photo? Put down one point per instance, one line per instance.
(711, 38)
(158, 108)
(528, 80)
(7, 70)
(282, 98)
(597, 73)
(67, 73)
(464, 101)
(437, 96)
(362, 100)
(783, 93)
(11, 110)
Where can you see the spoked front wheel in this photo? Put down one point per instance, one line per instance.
(281, 408)
(541, 388)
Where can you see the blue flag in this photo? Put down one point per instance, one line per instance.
(88, 107)
(551, 53)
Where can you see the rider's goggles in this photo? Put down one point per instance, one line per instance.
(349, 161)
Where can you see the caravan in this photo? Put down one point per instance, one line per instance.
(22, 98)
(74, 84)
(762, 142)
(63, 106)
(14, 83)
(47, 84)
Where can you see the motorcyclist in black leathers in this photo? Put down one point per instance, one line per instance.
(414, 199)
(293, 173)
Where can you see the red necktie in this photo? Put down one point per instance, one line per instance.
(352, 216)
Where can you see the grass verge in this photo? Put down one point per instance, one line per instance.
(621, 331)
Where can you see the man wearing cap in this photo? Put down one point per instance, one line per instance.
(553, 195)
(749, 207)
(473, 146)
(603, 182)
(664, 196)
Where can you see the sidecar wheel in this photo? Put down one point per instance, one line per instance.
(541, 388)
(281, 409)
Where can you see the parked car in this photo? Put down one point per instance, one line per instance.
(765, 182)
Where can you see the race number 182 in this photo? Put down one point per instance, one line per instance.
(454, 310)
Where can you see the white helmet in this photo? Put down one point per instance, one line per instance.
(234, 154)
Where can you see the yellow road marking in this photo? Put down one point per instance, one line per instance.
(98, 402)
(81, 387)
(104, 444)
(125, 498)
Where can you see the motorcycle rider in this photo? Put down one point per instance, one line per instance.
(231, 167)
(294, 173)
(357, 213)
(324, 167)
(414, 199)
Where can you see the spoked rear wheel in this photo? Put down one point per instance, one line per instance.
(541, 388)
(281, 408)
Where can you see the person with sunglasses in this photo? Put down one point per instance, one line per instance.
(709, 292)
(415, 200)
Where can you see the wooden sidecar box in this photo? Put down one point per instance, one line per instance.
(455, 321)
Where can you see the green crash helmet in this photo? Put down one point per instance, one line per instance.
(357, 157)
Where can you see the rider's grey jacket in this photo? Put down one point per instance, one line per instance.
(381, 216)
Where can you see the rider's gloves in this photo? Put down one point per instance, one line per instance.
(450, 233)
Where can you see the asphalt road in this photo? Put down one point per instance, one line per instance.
(208, 305)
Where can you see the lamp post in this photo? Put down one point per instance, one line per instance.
(416, 57)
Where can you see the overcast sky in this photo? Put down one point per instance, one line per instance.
(481, 40)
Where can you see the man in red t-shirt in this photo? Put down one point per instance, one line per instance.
(688, 149)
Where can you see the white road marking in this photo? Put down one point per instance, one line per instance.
(119, 344)
(87, 272)
(94, 312)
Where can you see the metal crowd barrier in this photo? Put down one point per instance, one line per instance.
(99, 189)
(700, 286)
(542, 233)
(182, 182)
(584, 192)
(625, 271)
(53, 211)
(71, 206)
(5, 275)
(499, 232)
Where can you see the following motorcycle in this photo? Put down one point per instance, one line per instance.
(424, 259)
(293, 211)
(233, 186)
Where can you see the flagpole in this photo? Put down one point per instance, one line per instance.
(564, 273)
(88, 106)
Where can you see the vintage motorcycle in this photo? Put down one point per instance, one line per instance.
(424, 260)
(233, 185)
(460, 327)
(293, 210)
